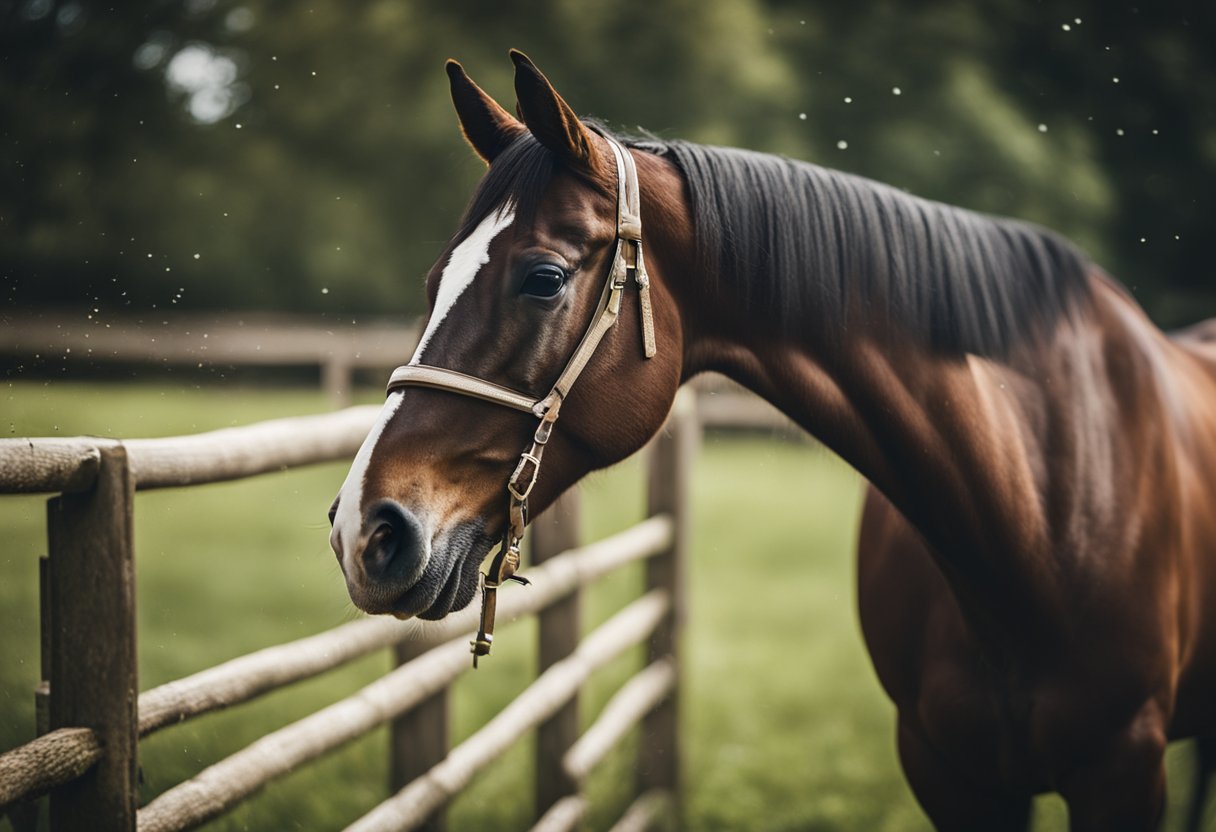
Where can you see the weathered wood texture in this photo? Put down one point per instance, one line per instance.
(417, 801)
(559, 630)
(251, 675)
(645, 812)
(563, 816)
(93, 659)
(69, 465)
(419, 738)
(636, 698)
(226, 783)
(49, 466)
(219, 787)
(672, 455)
(94, 680)
(235, 453)
(40, 765)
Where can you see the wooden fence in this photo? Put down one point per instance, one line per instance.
(339, 350)
(91, 714)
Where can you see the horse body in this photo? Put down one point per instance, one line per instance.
(1035, 606)
(1126, 654)
(1037, 567)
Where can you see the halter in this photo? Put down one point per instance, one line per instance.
(626, 263)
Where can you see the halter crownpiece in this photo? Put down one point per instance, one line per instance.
(627, 263)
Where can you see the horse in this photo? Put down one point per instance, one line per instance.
(1037, 550)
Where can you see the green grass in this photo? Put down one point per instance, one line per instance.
(784, 724)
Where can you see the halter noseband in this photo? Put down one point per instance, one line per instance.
(626, 263)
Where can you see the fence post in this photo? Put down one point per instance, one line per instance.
(559, 630)
(671, 458)
(337, 377)
(419, 738)
(93, 674)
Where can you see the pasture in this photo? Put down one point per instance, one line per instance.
(785, 725)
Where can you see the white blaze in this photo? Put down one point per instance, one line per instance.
(348, 519)
(464, 264)
(466, 261)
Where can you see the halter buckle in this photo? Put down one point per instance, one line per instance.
(528, 467)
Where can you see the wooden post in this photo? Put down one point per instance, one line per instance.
(42, 693)
(419, 738)
(671, 458)
(559, 630)
(93, 676)
(337, 377)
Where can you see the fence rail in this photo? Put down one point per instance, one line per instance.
(91, 718)
(339, 349)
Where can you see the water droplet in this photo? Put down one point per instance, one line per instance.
(842, 145)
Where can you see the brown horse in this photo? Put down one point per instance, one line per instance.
(1038, 551)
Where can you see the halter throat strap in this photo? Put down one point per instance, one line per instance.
(628, 264)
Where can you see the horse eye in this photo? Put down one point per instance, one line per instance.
(543, 281)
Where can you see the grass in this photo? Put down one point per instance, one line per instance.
(784, 724)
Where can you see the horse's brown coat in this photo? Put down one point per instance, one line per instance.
(1037, 573)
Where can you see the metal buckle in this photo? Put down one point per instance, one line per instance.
(524, 459)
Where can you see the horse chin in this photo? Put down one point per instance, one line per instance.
(451, 578)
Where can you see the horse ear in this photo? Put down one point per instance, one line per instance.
(486, 125)
(550, 118)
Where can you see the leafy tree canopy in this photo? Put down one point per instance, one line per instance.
(304, 156)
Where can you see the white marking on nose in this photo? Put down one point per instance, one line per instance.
(348, 520)
(464, 264)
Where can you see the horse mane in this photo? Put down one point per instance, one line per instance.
(804, 246)
(808, 243)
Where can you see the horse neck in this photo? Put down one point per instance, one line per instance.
(997, 464)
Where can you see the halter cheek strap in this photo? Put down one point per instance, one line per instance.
(627, 264)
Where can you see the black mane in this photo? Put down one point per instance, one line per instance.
(799, 246)
(806, 243)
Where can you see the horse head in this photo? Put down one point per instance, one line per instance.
(513, 300)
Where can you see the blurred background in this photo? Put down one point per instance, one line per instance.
(304, 157)
(172, 162)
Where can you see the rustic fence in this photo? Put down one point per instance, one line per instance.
(91, 715)
(340, 350)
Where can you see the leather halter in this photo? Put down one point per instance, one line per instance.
(627, 263)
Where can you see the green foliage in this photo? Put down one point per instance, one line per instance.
(784, 725)
(334, 174)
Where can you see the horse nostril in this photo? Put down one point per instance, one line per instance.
(395, 545)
